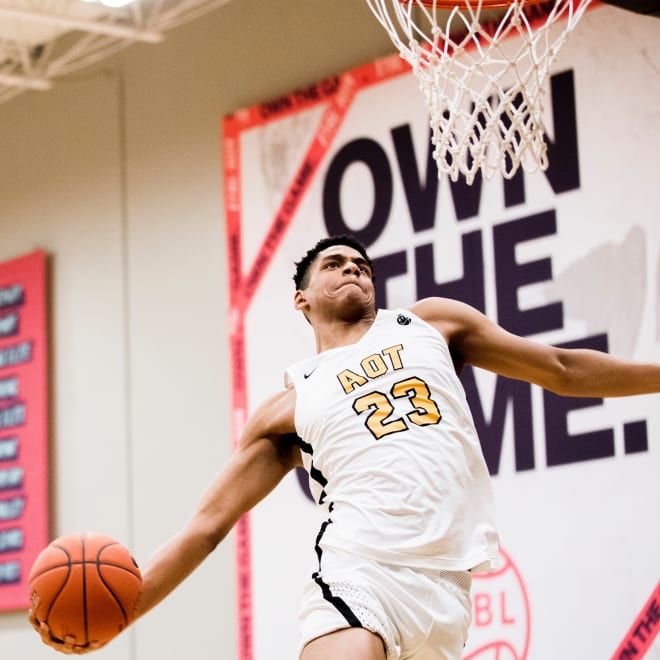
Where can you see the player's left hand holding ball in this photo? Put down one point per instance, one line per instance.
(84, 590)
(67, 646)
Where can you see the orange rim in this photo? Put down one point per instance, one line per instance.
(485, 4)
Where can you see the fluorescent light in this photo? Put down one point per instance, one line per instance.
(112, 3)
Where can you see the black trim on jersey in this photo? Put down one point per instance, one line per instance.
(317, 475)
(314, 472)
(304, 446)
(338, 603)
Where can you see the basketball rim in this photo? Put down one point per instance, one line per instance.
(485, 4)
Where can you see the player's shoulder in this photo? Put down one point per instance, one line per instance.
(275, 415)
(282, 398)
(446, 315)
(436, 309)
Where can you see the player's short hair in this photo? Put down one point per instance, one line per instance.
(301, 276)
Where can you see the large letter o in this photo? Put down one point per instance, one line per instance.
(374, 157)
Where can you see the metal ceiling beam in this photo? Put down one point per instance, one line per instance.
(38, 45)
(24, 82)
(66, 22)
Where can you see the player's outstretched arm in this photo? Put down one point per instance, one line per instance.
(264, 456)
(569, 372)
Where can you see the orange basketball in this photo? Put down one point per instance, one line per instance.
(85, 586)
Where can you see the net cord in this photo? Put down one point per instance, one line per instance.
(483, 90)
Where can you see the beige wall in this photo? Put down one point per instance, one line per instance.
(117, 173)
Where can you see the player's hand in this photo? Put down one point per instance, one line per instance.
(67, 645)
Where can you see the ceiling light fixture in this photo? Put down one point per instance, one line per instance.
(115, 4)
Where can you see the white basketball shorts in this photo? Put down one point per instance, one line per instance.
(419, 614)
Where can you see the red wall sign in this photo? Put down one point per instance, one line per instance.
(23, 423)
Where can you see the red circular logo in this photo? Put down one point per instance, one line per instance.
(500, 615)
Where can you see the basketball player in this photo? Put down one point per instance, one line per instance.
(380, 421)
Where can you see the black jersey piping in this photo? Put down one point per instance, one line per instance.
(338, 603)
(314, 472)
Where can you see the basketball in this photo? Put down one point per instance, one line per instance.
(85, 586)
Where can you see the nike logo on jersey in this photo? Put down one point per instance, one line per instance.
(307, 375)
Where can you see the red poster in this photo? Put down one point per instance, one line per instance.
(23, 424)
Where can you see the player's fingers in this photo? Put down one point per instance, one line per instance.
(69, 645)
(34, 622)
(94, 646)
(43, 629)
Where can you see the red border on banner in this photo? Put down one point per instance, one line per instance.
(337, 94)
(24, 523)
(643, 632)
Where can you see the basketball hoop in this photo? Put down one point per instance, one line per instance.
(482, 66)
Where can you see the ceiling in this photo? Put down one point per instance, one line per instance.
(41, 40)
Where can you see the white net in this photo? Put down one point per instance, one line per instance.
(483, 76)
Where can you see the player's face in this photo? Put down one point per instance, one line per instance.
(340, 280)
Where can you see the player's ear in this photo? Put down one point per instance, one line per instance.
(299, 299)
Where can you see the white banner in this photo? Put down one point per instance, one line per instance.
(568, 257)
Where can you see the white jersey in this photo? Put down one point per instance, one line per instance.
(391, 449)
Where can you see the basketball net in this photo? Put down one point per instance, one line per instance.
(483, 76)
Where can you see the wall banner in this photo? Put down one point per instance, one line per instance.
(567, 257)
(23, 423)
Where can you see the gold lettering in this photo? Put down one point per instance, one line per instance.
(374, 366)
(350, 380)
(393, 353)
